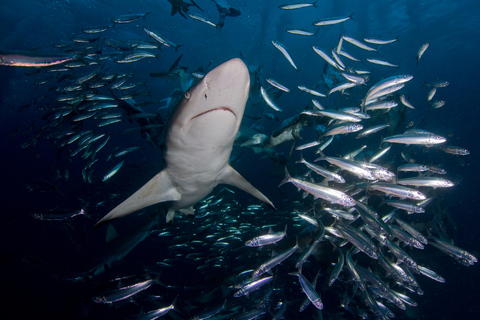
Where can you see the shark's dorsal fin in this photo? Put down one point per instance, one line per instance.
(159, 189)
(232, 177)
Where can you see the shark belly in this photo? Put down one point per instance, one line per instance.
(197, 154)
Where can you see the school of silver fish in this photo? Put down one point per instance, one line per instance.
(359, 239)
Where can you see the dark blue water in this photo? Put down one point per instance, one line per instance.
(37, 256)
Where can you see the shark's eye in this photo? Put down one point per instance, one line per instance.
(187, 94)
(205, 96)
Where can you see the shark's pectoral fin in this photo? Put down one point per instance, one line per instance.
(232, 177)
(159, 189)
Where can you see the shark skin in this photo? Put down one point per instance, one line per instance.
(199, 140)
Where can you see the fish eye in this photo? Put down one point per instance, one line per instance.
(187, 94)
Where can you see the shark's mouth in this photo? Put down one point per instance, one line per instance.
(215, 109)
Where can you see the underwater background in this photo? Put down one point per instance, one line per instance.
(54, 269)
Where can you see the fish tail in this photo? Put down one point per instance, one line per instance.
(322, 156)
(302, 160)
(287, 178)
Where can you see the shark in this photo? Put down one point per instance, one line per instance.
(199, 138)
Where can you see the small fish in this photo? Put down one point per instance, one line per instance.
(384, 105)
(357, 43)
(382, 63)
(455, 150)
(161, 39)
(329, 194)
(438, 104)
(252, 286)
(437, 84)
(201, 18)
(57, 215)
(267, 239)
(274, 261)
(310, 91)
(416, 138)
(283, 50)
(330, 21)
(433, 182)
(405, 102)
(127, 18)
(422, 50)
(326, 58)
(339, 115)
(300, 32)
(322, 171)
(95, 29)
(122, 293)
(431, 94)
(343, 129)
(395, 190)
(278, 85)
(370, 130)
(298, 5)
(268, 100)
(33, 59)
(378, 41)
(113, 171)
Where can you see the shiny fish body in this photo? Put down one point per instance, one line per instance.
(343, 129)
(310, 91)
(268, 100)
(358, 239)
(267, 239)
(322, 171)
(338, 268)
(339, 115)
(326, 57)
(378, 41)
(357, 43)
(433, 182)
(416, 138)
(412, 231)
(328, 194)
(422, 50)
(382, 63)
(331, 21)
(397, 191)
(112, 172)
(297, 6)
(407, 206)
(252, 286)
(353, 272)
(465, 257)
(123, 292)
(309, 290)
(455, 150)
(278, 85)
(284, 51)
(273, 262)
(350, 166)
(300, 32)
(388, 82)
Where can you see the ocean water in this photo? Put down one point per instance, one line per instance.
(54, 269)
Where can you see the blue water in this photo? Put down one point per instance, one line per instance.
(35, 254)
